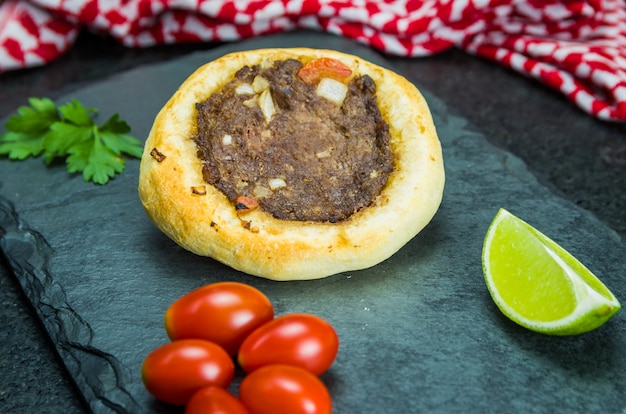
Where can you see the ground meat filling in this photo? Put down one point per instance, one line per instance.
(309, 160)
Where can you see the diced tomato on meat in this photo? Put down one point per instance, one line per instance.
(319, 68)
(245, 204)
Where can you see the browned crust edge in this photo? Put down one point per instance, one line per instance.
(199, 217)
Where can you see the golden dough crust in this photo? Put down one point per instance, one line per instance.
(199, 217)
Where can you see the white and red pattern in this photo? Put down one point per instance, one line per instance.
(575, 46)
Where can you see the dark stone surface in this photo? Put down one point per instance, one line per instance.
(573, 155)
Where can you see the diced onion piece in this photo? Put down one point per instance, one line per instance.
(227, 139)
(323, 154)
(261, 191)
(276, 183)
(251, 103)
(332, 90)
(259, 84)
(244, 89)
(267, 105)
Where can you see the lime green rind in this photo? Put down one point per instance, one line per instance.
(596, 303)
(574, 326)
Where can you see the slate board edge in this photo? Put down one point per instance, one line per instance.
(28, 254)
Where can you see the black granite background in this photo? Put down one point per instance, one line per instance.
(576, 156)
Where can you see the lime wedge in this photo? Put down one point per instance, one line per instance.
(539, 285)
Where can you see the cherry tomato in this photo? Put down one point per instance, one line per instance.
(223, 312)
(319, 68)
(175, 371)
(214, 400)
(299, 339)
(284, 389)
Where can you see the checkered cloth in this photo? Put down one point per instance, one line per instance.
(577, 47)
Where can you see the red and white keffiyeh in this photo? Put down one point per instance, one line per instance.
(577, 47)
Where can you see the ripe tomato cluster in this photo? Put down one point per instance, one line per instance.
(226, 323)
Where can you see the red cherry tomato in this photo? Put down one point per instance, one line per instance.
(175, 371)
(319, 68)
(224, 313)
(299, 339)
(214, 400)
(284, 389)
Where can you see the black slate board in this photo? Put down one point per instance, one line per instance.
(419, 332)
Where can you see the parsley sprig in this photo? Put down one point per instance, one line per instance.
(69, 131)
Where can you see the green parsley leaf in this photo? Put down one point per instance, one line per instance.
(75, 113)
(20, 145)
(61, 137)
(24, 136)
(69, 131)
(113, 134)
(33, 119)
(97, 162)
